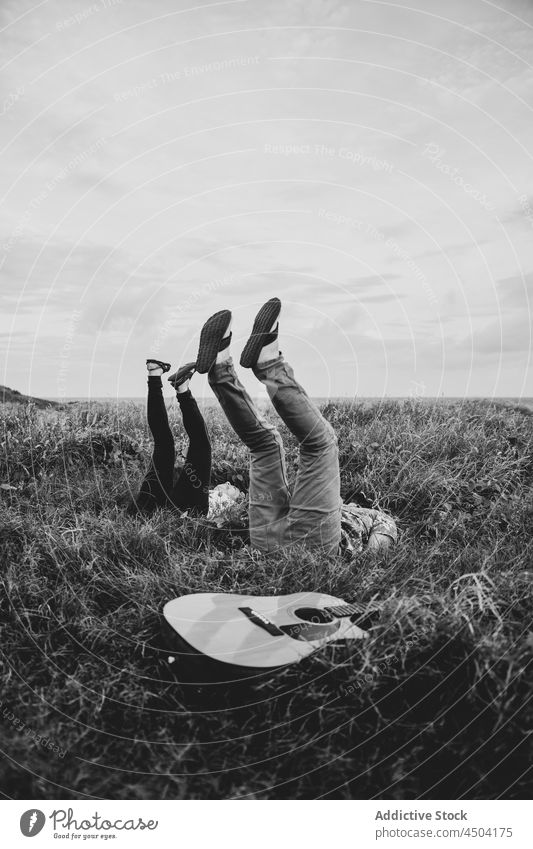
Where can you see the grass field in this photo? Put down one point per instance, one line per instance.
(436, 704)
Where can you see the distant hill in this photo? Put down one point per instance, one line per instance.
(12, 396)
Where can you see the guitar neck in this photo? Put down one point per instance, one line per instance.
(341, 610)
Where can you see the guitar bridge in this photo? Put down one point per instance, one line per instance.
(261, 620)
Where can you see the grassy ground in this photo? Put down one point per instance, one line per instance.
(436, 704)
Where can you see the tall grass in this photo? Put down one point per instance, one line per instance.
(436, 704)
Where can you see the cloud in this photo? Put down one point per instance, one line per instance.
(182, 205)
(517, 292)
(510, 335)
(510, 332)
(384, 298)
(88, 276)
(371, 281)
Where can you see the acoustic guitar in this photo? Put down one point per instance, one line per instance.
(259, 633)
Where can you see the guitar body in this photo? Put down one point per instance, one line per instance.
(257, 633)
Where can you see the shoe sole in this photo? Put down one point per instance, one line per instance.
(160, 364)
(211, 336)
(182, 374)
(264, 320)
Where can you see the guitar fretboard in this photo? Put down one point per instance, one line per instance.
(346, 609)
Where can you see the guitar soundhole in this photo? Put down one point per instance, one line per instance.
(314, 615)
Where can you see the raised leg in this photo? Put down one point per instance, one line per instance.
(157, 485)
(269, 495)
(314, 516)
(191, 491)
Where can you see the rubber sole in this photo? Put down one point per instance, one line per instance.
(182, 374)
(264, 320)
(160, 363)
(211, 336)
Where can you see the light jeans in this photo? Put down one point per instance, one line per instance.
(312, 515)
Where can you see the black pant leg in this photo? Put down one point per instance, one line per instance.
(191, 491)
(157, 485)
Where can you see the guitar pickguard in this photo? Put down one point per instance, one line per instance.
(310, 631)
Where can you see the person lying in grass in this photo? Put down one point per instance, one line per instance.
(187, 492)
(313, 514)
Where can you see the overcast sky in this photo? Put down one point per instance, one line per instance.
(370, 164)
